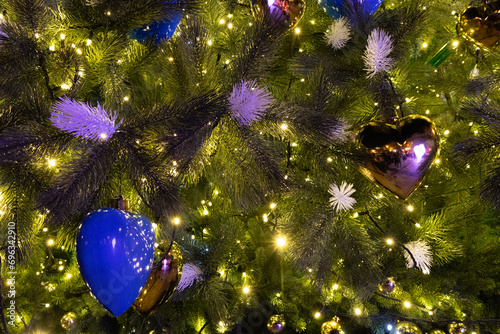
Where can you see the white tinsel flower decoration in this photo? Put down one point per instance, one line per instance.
(339, 33)
(340, 133)
(341, 196)
(190, 274)
(422, 253)
(83, 120)
(377, 52)
(248, 102)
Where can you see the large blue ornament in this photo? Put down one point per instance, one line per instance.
(115, 250)
(335, 8)
(157, 30)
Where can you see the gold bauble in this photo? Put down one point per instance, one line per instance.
(331, 327)
(406, 327)
(436, 331)
(481, 25)
(276, 323)
(288, 12)
(398, 154)
(68, 321)
(163, 279)
(456, 328)
(387, 286)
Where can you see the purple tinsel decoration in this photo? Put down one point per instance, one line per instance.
(190, 274)
(248, 102)
(83, 120)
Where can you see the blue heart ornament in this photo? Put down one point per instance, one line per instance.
(335, 8)
(157, 30)
(115, 251)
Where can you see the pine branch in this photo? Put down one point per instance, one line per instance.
(32, 142)
(258, 48)
(77, 187)
(157, 190)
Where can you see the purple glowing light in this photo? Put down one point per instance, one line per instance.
(419, 151)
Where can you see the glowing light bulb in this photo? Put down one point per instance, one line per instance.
(177, 221)
(389, 241)
(65, 86)
(335, 287)
(284, 126)
(455, 44)
(389, 327)
(357, 311)
(424, 45)
(246, 290)
(447, 132)
(281, 242)
(297, 31)
(317, 315)
(50, 242)
(126, 98)
(104, 136)
(409, 208)
(62, 36)
(407, 304)
(68, 275)
(272, 205)
(230, 26)
(222, 21)
(89, 42)
(52, 47)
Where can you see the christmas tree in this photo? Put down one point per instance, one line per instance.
(249, 166)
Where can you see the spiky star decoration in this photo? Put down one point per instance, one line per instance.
(377, 53)
(339, 33)
(83, 120)
(422, 253)
(341, 196)
(190, 274)
(248, 102)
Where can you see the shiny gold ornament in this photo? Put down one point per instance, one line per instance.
(287, 11)
(163, 279)
(399, 154)
(406, 327)
(456, 328)
(68, 321)
(276, 323)
(436, 331)
(481, 25)
(387, 286)
(331, 327)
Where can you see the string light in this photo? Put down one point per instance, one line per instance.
(317, 315)
(409, 208)
(389, 241)
(357, 311)
(281, 242)
(297, 31)
(246, 290)
(52, 47)
(272, 205)
(68, 276)
(89, 42)
(104, 136)
(62, 36)
(389, 327)
(50, 242)
(407, 304)
(424, 45)
(177, 221)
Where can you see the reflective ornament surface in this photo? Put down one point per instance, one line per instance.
(157, 31)
(163, 279)
(287, 11)
(331, 327)
(400, 154)
(481, 25)
(436, 331)
(276, 323)
(114, 249)
(406, 327)
(68, 321)
(388, 286)
(335, 8)
(456, 328)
